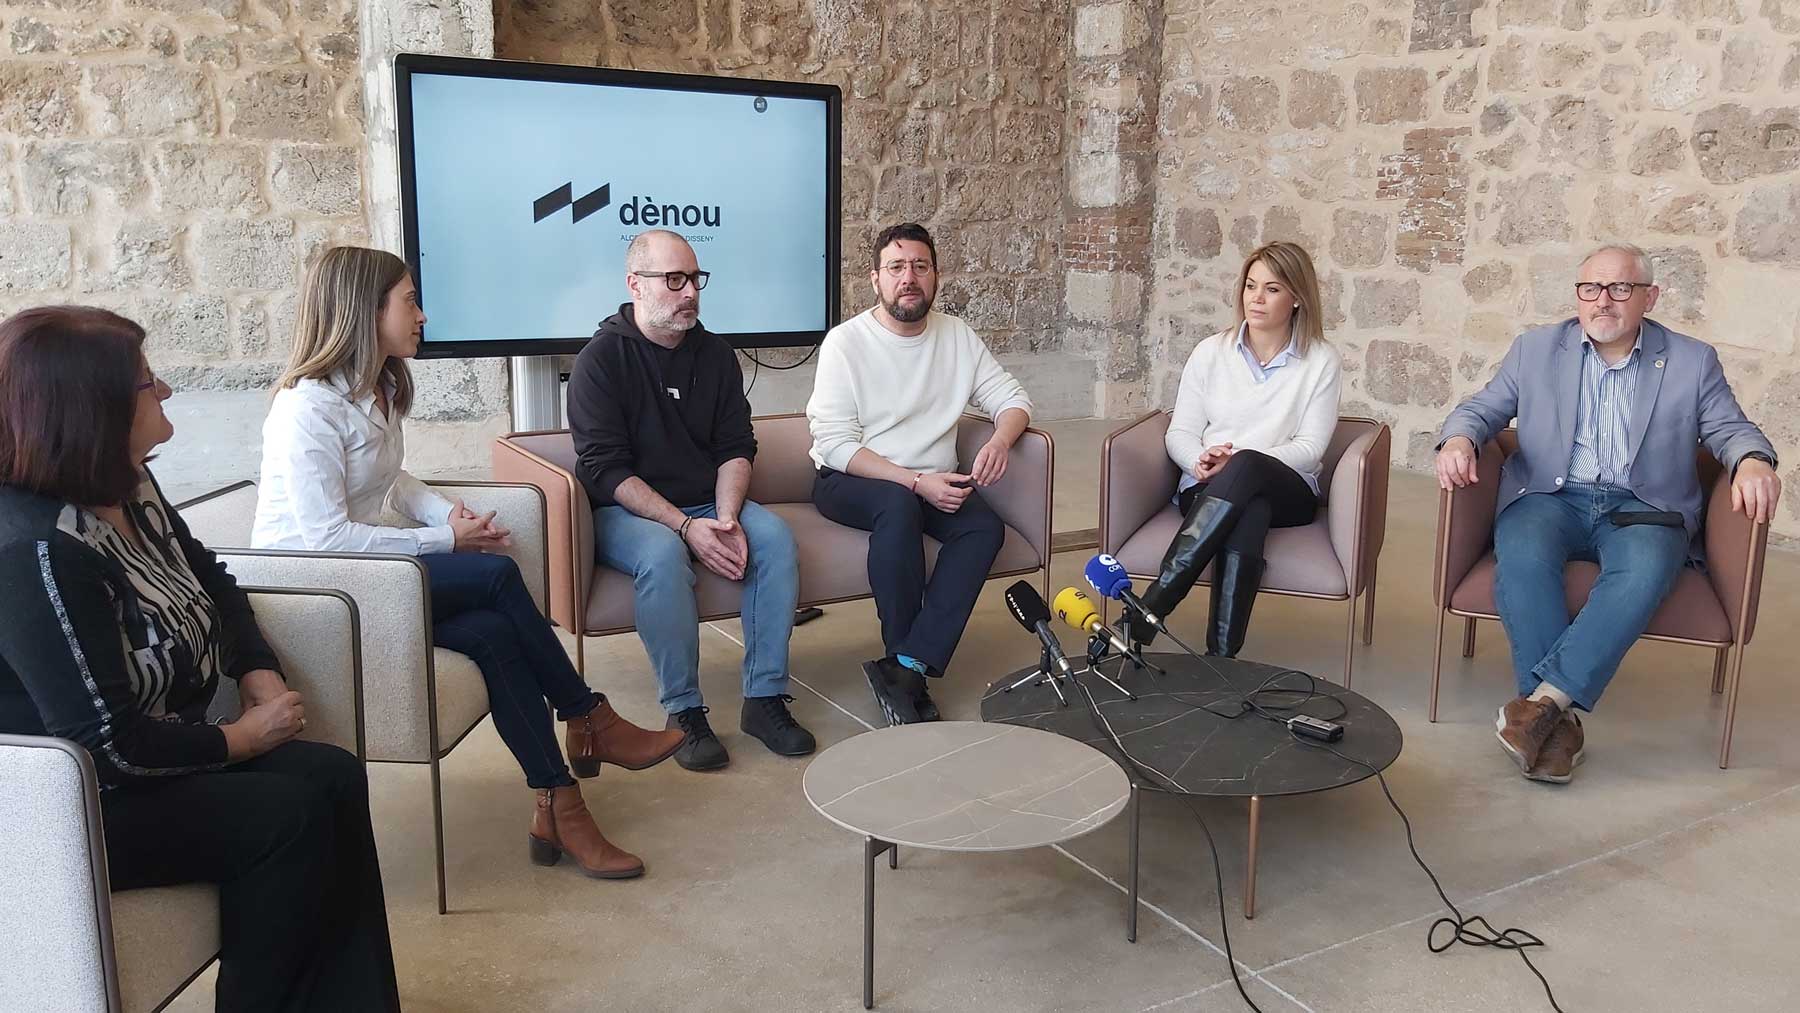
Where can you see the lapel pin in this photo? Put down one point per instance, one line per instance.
(1659, 363)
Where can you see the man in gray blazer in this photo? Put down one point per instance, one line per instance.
(1610, 407)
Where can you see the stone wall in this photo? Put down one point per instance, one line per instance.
(1447, 162)
(954, 116)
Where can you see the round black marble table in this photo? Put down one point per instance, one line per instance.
(1187, 750)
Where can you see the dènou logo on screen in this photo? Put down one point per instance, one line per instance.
(639, 210)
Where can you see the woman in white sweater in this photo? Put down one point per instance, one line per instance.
(1257, 406)
(332, 455)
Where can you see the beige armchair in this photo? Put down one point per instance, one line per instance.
(71, 943)
(1713, 608)
(423, 700)
(594, 601)
(1332, 559)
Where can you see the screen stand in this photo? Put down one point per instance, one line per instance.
(536, 393)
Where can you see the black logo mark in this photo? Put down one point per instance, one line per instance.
(563, 196)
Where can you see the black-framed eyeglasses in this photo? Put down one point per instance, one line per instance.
(1589, 291)
(678, 280)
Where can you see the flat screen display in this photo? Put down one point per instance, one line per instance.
(522, 184)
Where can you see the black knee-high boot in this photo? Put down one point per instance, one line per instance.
(1236, 578)
(1208, 522)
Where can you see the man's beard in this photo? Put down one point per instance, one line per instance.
(908, 316)
(669, 320)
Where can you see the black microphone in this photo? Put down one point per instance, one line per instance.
(1027, 606)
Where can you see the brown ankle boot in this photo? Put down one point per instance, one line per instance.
(602, 736)
(562, 824)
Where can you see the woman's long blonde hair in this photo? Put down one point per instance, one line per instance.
(335, 333)
(1290, 265)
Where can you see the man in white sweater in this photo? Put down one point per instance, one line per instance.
(891, 385)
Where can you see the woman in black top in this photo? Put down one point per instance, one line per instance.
(117, 628)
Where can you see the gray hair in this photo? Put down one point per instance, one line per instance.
(637, 255)
(1645, 269)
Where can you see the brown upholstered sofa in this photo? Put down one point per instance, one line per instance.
(594, 601)
(1333, 558)
(1713, 608)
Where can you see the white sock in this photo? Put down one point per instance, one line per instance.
(1545, 691)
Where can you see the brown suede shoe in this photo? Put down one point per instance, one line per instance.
(562, 825)
(602, 736)
(1524, 725)
(1560, 756)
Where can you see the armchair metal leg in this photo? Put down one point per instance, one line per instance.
(1369, 609)
(437, 826)
(1737, 679)
(1469, 637)
(1719, 659)
(581, 655)
(1349, 641)
(1437, 665)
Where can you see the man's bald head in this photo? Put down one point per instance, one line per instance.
(649, 248)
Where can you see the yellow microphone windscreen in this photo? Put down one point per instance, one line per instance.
(1075, 608)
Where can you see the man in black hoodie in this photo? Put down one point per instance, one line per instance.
(663, 436)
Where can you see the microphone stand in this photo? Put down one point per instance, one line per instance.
(1044, 673)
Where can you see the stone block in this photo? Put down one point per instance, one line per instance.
(29, 35)
(985, 303)
(1534, 209)
(1508, 66)
(1577, 132)
(83, 39)
(1778, 410)
(1197, 233)
(147, 254)
(222, 8)
(1358, 238)
(1286, 223)
(906, 193)
(1315, 99)
(1392, 94)
(1524, 13)
(212, 51)
(1689, 214)
(1742, 63)
(1383, 302)
(1036, 303)
(35, 258)
(1675, 84)
(1103, 297)
(1660, 152)
(1023, 136)
(152, 100)
(1618, 213)
(967, 137)
(61, 177)
(184, 326)
(1185, 110)
(215, 177)
(235, 253)
(1406, 373)
(976, 195)
(1553, 284)
(663, 22)
(858, 190)
(1734, 143)
(1249, 103)
(844, 29)
(1567, 65)
(1768, 227)
(1097, 180)
(324, 179)
(1681, 274)
(1783, 15)
(39, 99)
(1038, 193)
(866, 132)
(460, 390)
(288, 104)
(1459, 94)
(1108, 30)
(1489, 282)
(1731, 11)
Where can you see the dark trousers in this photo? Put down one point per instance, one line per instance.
(1269, 493)
(481, 608)
(286, 836)
(919, 618)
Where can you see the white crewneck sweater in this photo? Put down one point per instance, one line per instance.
(1290, 416)
(901, 397)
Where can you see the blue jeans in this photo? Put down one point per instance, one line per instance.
(668, 620)
(1534, 538)
(480, 607)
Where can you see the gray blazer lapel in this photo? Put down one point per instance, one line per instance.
(1651, 360)
(1568, 388)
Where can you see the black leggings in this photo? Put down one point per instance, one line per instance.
(286, 836)
(1271, 495)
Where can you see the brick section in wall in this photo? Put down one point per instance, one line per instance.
(1443, 24)
(1113, 239)
(1430, 175)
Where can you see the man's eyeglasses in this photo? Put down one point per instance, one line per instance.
(897, 268)
(1588, 291)
(678, 280)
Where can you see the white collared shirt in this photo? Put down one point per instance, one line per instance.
(1259, 371)
(330, 465)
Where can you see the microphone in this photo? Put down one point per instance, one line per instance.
(1027, 606)
(1077, 609)
(1107, 576)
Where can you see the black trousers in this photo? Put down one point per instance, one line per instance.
(286, 836)
(919, 618)
(1271, 495)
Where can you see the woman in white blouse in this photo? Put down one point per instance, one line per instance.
(332, 452)
(1256, 409)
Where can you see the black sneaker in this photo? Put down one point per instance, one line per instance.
(895, 687)
(768, 718)
(925, 705)
(701, 750)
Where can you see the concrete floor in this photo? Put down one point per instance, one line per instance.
(1657, 880)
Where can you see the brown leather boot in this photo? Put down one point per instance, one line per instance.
(602, 736)
(562, 824)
